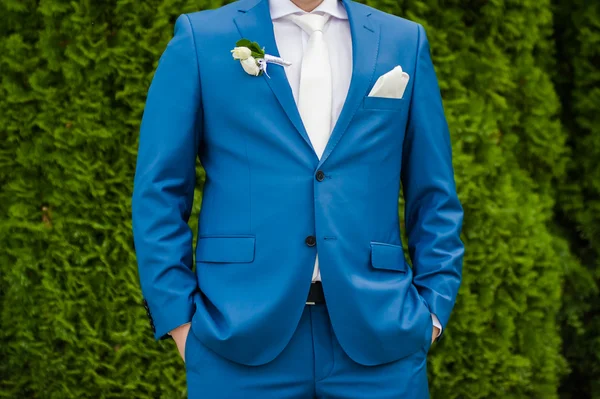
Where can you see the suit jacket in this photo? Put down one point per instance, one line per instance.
(266, 192)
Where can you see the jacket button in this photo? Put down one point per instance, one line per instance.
(310, 241)
(320, 175)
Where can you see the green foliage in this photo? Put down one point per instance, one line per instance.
(73, 80)
(509, 153)
(578, 81)
(74, 76)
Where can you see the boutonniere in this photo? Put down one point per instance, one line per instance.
(253, 58)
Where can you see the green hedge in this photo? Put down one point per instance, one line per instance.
(578, 82)
(73, 80)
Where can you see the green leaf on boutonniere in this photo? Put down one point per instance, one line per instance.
(254, 47)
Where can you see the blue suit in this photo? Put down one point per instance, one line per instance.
(261, 199)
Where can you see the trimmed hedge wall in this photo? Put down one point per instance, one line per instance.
(73, 80)
(578, 82)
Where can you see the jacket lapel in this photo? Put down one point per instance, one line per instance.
(365, 46)
(254, 23)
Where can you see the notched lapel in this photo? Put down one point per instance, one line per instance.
(365, 47)
(254, 23)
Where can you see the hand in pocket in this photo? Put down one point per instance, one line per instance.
(434, 333)
(180, 335)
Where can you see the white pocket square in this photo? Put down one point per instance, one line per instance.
(390, 84)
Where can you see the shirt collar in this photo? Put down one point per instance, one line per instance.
(282, 8)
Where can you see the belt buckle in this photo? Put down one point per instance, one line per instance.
(309, 302)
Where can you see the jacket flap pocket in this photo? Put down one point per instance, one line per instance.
(225, 249)
(387, 256)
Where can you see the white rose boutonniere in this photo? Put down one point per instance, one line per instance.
(253, 58)
(241, 53)
(250, 65)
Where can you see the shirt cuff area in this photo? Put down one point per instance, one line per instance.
(437, 324)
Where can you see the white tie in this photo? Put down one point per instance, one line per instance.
(314, 96)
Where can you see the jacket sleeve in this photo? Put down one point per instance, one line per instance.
(433, 213)
(164, 182)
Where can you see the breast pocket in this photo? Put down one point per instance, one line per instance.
(383, 103)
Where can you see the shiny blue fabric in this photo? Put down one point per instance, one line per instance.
(312, 365)
(261, 198)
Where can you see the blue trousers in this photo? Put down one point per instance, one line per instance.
(313, 365)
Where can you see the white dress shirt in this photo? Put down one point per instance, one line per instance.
(292, 40)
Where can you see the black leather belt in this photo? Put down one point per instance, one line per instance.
(315, 295)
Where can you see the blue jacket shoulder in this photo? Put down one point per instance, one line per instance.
(391, 22)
